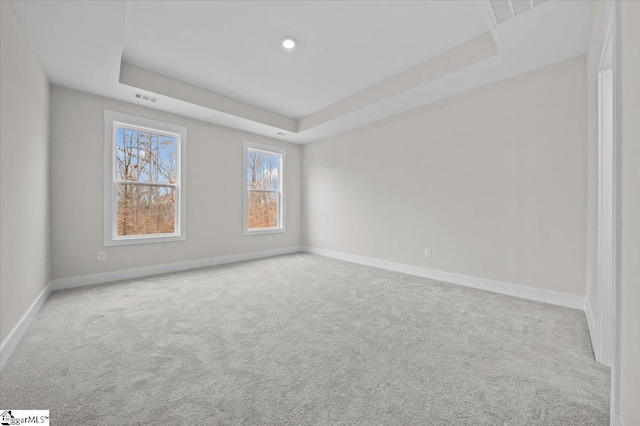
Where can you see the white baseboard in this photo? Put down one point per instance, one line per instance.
(10, 343)
(128, 274)
(539, 295)
(12, 340)
(593, 331)
(616, 420)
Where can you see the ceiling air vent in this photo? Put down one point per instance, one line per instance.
(503, 10)
(145, 97)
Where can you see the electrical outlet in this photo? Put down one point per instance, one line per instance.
(269, 239)
(321, 238)
(102, 256)
(427, 252)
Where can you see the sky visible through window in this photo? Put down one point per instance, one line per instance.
(263, 189)
(145, 157)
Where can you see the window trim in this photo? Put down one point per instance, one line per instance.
(246, 145)
(111, 120)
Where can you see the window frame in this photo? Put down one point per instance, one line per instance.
(113, 119)
(269, 149)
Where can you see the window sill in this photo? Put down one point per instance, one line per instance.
(263, 231)
(144, 240)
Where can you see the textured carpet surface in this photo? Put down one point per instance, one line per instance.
(302, 339)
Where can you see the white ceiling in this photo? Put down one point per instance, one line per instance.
(234, 47)
(346, 50)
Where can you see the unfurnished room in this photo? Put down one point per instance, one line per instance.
(320, 212)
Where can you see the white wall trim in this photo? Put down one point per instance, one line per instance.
(607, 147)
(539, 295)
(127, 274)
(12, 340)
(591, 323)
(616, 420)
(112, 120)
(282, 171)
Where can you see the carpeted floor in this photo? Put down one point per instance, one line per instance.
(302, 339)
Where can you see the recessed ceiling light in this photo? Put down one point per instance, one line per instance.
(288, 42)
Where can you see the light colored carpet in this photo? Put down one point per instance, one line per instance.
(302, 339)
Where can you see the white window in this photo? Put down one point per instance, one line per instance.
(263, 183)
(144, 190)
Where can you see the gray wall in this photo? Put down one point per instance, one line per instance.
(630, 214)
(493, 181)
(24, 172)
(214, 191)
